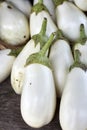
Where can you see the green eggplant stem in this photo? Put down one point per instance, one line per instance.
(43, 28)
(58, 2)
(41, 36)
(59, 35)
(38, 7)
(77, 62)
(40, 1)
(77, 55)
(47, 45)
(41, 57)
(83, 36)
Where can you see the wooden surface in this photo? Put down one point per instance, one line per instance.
(10, 116)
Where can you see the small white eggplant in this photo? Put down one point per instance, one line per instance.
(50, 6)
(23, 5)
(82, 4)
(6, 62)
(73, 105)
(32, 46)
(81, 45)
(69, 18)
(14, 25)
(61, 59)
(39, 12)
(38, 98)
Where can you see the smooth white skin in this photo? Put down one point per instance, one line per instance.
(73, 105)
(83, 51)
(69, 19)
(50, 6)
(36, 23)
(23, 5)
(18, 69)
(6, 63)
(14, 25)
(38, 99)
(61, 59)
(82, 4)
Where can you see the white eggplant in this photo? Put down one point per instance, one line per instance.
(50, 6)
(36, 19)
(14, 25)
(23, 5)
(18, 68)
(82, 4)
(73, 105)
(69, 18)
(38, 98)
(6, 62)
(38, 91)
(61, 59)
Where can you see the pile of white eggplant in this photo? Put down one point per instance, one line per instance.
(45, 54)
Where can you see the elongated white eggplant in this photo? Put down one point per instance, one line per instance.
(17, 73)
(23, 5)
(14, 25)
(50, 6)
(61, 59)
(82, 4)
(38, 90)
(69, 18)
(73, 105)
(6, 63)
(33, 46)
(39, 12)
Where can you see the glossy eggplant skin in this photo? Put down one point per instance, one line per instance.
(69, 18)
(14, 25)
(6, 63)
(73, 105)
(38, 99)
(61, 59)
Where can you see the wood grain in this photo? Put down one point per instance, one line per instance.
(10, 116)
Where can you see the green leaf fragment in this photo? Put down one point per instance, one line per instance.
(58, 2)
(15, 52)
